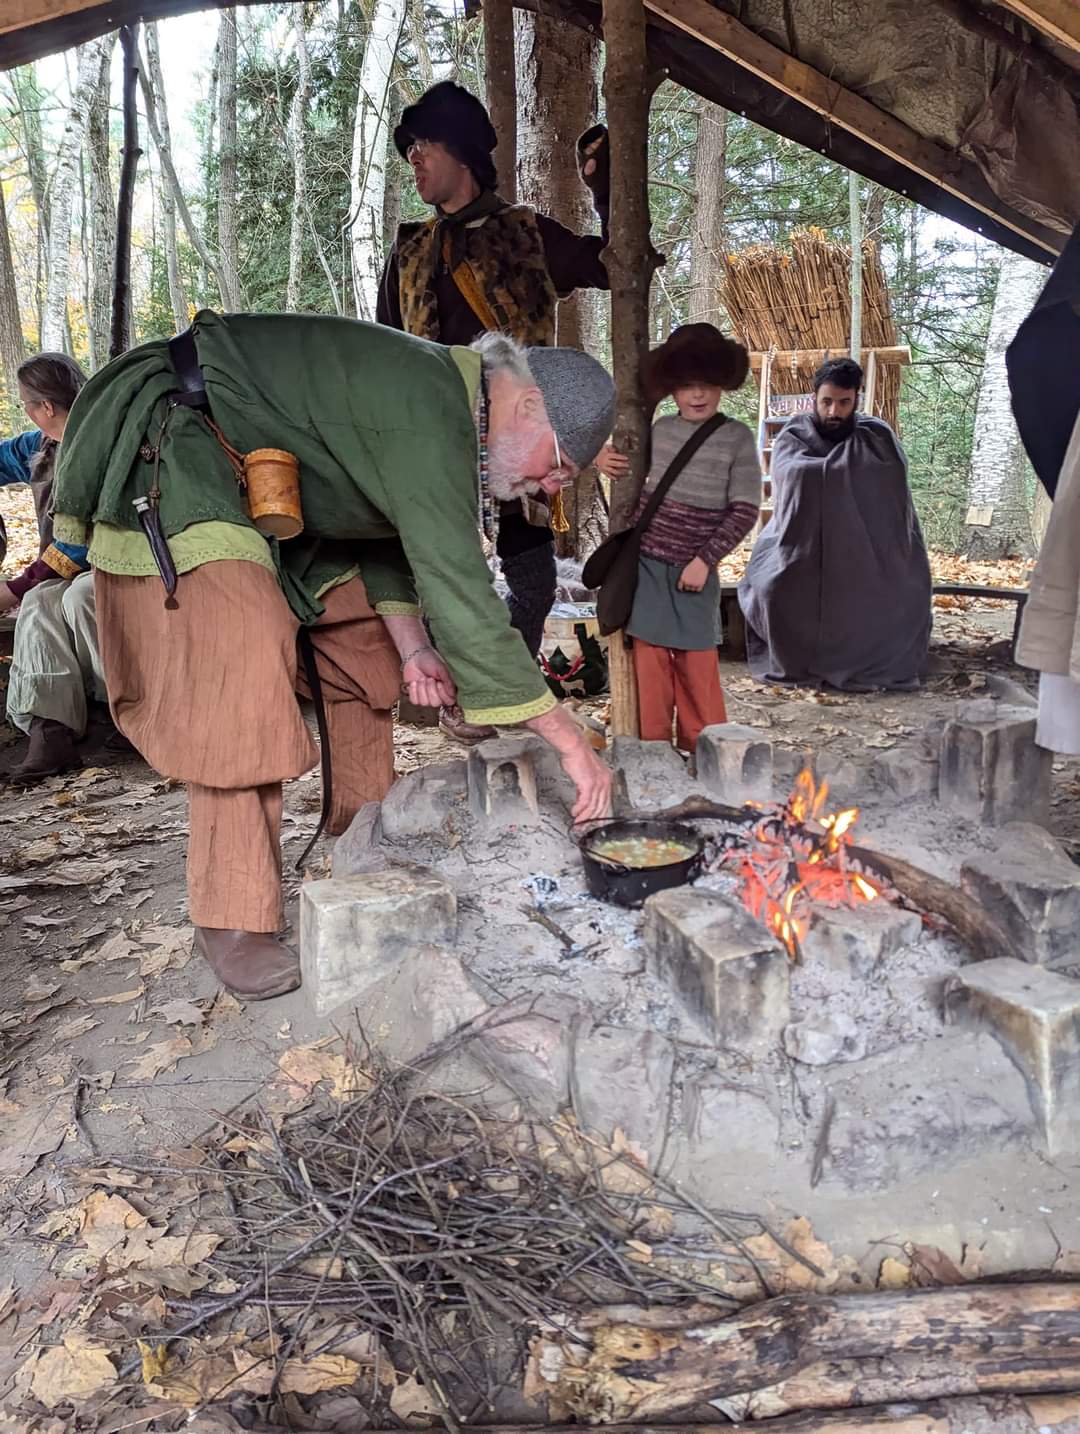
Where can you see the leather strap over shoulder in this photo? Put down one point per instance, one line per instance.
(184, 358)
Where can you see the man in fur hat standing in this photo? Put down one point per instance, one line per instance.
(481, 263)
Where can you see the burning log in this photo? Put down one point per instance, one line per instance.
(640, 1372)
(927, 894)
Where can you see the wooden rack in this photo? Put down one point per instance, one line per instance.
(765, 363)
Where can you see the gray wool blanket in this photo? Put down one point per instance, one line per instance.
(838, 586)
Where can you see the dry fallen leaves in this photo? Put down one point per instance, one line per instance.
(72, 1370)
(305, 1067)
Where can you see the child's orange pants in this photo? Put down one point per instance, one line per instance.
(680, 685)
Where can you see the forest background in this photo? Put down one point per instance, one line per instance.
(268, 182)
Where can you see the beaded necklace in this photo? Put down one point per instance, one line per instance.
(489, 510)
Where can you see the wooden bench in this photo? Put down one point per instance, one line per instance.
(734, 625)
(7, 634)
(1017, 595)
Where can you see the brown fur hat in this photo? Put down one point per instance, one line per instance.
(694, 353)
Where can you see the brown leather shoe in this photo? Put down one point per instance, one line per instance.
(51, 750)
(452, 722)
(253, 964)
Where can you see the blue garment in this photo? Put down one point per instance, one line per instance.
(16, 455)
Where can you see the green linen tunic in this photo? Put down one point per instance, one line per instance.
(382, 425)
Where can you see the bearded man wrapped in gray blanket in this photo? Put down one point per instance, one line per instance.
(837, 591)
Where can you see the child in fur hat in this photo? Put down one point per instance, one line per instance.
(712, 505)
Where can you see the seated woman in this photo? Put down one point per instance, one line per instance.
(55, 662)
(837, 590)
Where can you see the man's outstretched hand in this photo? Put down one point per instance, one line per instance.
(589, 775)
(427, 680)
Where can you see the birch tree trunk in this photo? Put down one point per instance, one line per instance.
(65, 178)
(707, 226)
(102, 211)
(168, 171)
(156, 81)
(368, 168)
(855, 217)
(12, 348)
(229, 260)
(557, 97)
(998, 523)
(425, 71)
(29, 100)
(298, 145)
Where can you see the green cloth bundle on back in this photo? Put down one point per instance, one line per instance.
(383, 429)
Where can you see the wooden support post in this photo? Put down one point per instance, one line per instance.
(870, 382)
(630, 260)
(120, 337)
(500, 82)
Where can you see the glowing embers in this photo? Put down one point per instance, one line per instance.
(795, 857)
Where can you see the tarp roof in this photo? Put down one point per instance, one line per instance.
(972, 109)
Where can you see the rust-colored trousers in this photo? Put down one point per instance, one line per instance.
(678, 686)
(207, 693)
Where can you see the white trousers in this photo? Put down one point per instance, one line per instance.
(56, 665)
(1058, 727)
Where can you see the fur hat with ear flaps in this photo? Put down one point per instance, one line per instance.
(450, 115)
(694, 353)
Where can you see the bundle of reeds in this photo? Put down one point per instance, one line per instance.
(801, 299)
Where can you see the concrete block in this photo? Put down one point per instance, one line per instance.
(418, 1001)
(735, 763)
(1031, 888)
(991, 769)
(622, 1079)
(354, 929)
(726, 968)
(854, 939)
(919, 1109)
(357, 850)
(906, 775)
(421, 803)
(1035, 1014)
(502, 782)
(526, 1045)
(648, 775)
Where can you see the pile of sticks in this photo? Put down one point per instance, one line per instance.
(443, 1234)
(802, 300)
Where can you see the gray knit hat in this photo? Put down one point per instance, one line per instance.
(579, 397)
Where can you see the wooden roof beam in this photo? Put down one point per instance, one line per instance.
(840, 106)
(1058, 19)
(17, 14)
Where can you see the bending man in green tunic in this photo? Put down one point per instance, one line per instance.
(385, 427)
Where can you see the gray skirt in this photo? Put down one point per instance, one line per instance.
(666, 617)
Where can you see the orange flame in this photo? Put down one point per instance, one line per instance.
(796, 860)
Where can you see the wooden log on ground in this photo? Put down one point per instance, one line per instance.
(1055, 1414)
(982, 936)
(632, 1372)
(857, 1383)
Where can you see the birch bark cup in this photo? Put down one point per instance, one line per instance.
(273, 486)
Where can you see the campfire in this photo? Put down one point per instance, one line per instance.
(795, 857)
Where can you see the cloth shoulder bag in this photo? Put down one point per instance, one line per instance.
(613, 568)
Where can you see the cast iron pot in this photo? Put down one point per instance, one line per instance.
(630, 885)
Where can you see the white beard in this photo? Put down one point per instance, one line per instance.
(506, 458)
